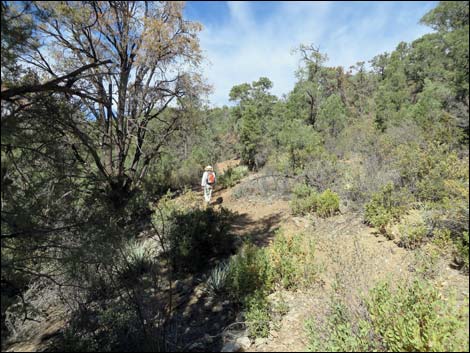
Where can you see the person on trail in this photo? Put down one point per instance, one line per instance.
(207, 183)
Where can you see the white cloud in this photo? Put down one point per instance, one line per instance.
(249, 46)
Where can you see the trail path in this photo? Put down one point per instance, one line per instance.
(347, 251)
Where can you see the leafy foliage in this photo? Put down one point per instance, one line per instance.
(307, 200)
(413, 317)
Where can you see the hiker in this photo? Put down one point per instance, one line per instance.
(208, 181)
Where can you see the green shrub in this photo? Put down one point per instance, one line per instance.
(106, 328)
(307, 200)
(415, 317)
(304, 199)
(427, 170)
(249, 270)
(462, 252)
(341, 333)
(327, 203)
(197, 236)
(448, 220)
(412, 235)
(193, 237)
(386, 206)
(291, 261)
(257, 314)
(232, 176)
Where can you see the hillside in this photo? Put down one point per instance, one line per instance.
(268, 201)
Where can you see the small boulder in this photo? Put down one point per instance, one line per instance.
(244, 342)
(231, 347)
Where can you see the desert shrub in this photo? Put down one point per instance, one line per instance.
(232, 176)
(291, 260)
(386, 206)
(450, 217)
(197, 236)
(462, 252)
(322, 171)
(430, 172)
(249, 270)
(218, 277)
(137, 257)
(413, 233)
(257, 314)
(193, 237)
(426, 261)
(415, 317)
(360, 177)
(341, 333)
(106, 328)
(254, 273)
(266, 186)
(304, 200)
(327, 203)
(307, 200)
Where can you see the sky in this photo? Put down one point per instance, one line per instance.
(245, 40)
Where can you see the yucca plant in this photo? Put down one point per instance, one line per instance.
(218, 278)
(138, 257)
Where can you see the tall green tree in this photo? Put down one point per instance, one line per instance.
(253, 113)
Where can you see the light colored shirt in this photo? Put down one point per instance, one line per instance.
(204, 178)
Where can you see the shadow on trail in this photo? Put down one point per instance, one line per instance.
(259, 231)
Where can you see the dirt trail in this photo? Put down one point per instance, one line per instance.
(347, 251)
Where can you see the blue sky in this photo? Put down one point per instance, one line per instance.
(244, 40)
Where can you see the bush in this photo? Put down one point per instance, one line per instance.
(138, 257)
(193, 237)
(412, 234)
(232, 176)
(416, 318)
(304, 200)
(254, 272)
(385, 207)
(341, 333)
(327, 203)
(257, 314)
(249, 271)
(291, 261)
(307, 200)
(462, 252)
(197, 236)
(107, 328)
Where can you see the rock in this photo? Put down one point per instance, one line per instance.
(260, 341)
(209, 302)
(196, 345)
(231, 347)
(244, 342)
(217, 308)
(208, 339)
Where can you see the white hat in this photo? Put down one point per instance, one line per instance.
(208, 168)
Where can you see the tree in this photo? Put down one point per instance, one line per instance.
(332, 116)
(151, 56)
(253, 113)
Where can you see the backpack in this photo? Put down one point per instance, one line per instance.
(210, 178)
